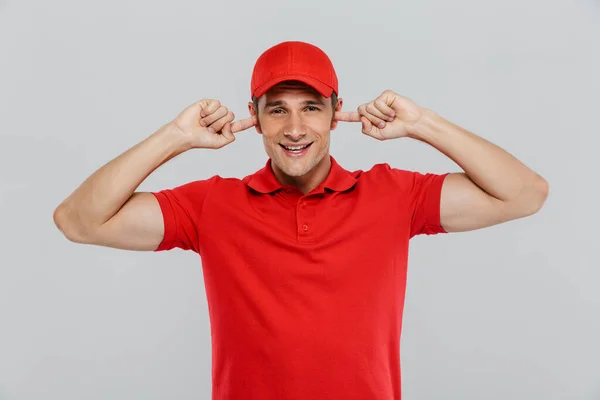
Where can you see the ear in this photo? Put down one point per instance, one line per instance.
(334, 123)
(253, 112)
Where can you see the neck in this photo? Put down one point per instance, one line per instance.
(309, 181)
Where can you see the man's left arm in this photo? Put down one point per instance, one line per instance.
(494, 188)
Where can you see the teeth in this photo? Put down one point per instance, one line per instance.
(295, 148)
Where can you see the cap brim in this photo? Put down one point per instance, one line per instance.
(319, 86)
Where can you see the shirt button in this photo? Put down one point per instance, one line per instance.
(302, 205)
(305, 228)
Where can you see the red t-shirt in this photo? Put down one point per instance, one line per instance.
(305, 292)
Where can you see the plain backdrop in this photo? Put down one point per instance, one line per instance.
(510, 312)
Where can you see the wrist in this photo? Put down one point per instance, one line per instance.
(427, 126)
(174, 139)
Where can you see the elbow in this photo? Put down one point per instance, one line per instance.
(542, 190)
(66, 223)
(537, 196)
(59, 218)
(61, 221)
(531, 199)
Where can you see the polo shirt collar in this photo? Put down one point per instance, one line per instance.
(264, 181)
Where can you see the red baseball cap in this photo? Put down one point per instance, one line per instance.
(297, 61)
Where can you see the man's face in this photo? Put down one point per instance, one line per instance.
(295, 121)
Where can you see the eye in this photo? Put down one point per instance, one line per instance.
(313, 108)
(276, 111)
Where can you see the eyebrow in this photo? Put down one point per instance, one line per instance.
(306, 103)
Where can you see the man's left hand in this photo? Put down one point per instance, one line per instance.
(389, 116)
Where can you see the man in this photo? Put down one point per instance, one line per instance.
(304, 262)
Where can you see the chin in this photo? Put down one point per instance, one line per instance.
(297, 167)
(296, 170)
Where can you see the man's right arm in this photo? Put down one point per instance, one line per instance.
(106, 210)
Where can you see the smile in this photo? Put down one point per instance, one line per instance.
(296, 150)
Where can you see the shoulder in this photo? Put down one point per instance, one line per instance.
(383, 172)
(220, 186)
(200, 188)
(384, 176)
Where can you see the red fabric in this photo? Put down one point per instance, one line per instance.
(305, 293)
(294, 61)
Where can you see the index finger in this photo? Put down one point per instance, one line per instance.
(347, 116)
(243, 124)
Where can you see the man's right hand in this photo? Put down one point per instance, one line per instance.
(105, 210)
(209, 125)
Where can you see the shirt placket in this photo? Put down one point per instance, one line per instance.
(305, 220)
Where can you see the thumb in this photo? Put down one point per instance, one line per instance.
(226, 131)
(367, 126)
(243, 124)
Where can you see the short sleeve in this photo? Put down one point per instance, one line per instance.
(425, 195)
(182, 208)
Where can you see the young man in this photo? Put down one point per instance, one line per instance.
(304, 262)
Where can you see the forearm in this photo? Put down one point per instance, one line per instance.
(493, 169)
(101, 195)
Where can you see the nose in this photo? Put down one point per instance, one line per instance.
(295, 129)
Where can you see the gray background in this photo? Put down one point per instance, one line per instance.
(510, 312)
